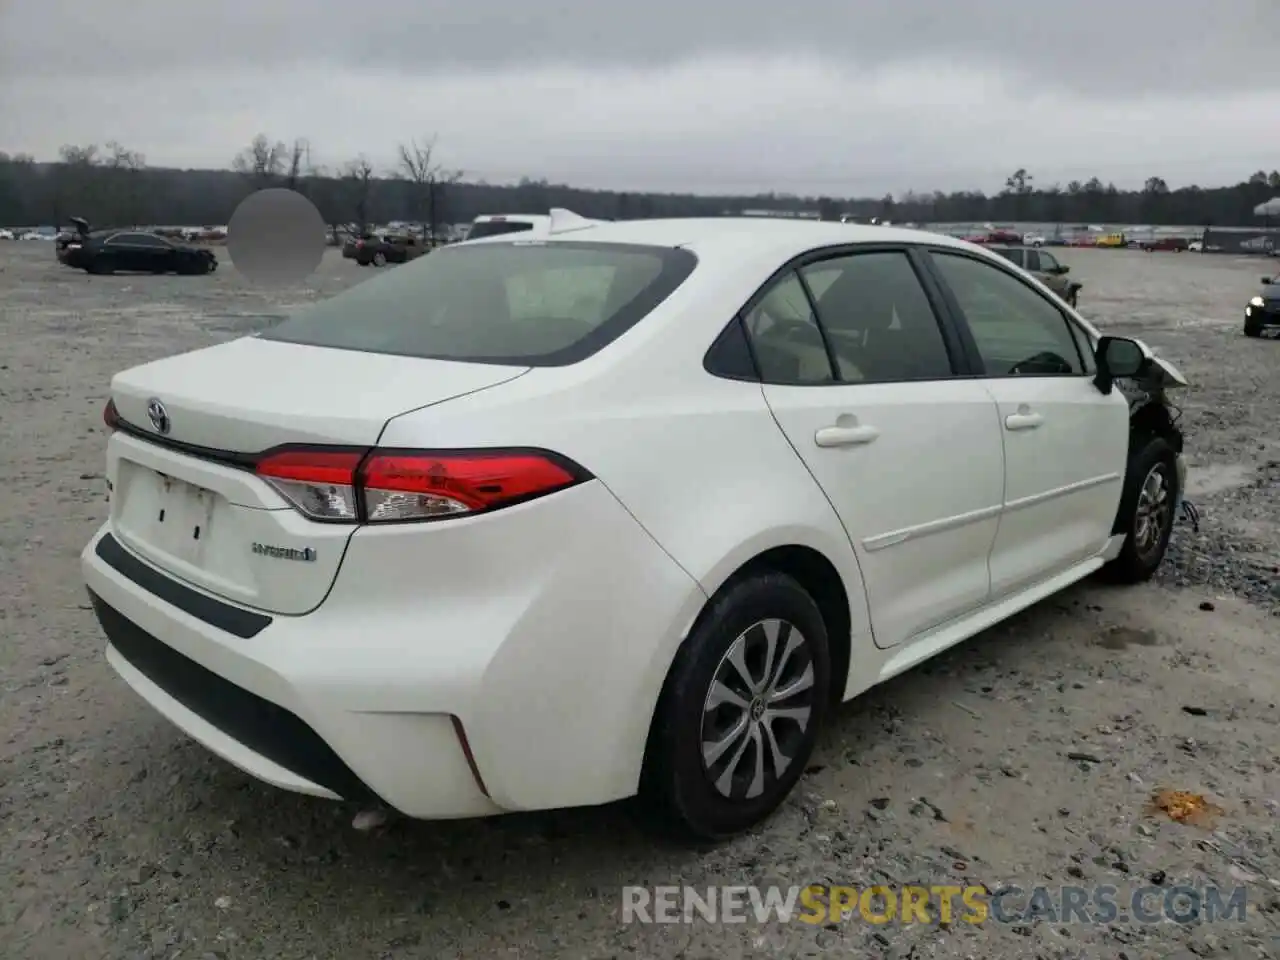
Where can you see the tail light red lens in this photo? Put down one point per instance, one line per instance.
(390, 486)
(110, 415)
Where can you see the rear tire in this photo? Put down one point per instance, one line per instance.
(1145, 516)
(726, 748)
(379, 259)
(1252, 329)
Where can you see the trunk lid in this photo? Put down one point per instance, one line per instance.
(194, 510)
(251, 394)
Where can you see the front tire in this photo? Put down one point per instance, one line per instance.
(741, 710)
(379, 259)
(1252, 329)
(1146, 511)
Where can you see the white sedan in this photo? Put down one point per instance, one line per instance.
(625, 509)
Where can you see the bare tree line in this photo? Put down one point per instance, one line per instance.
(112, 184)
(346, 188)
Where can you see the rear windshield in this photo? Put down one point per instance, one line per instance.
(496, 228)
(526, 303)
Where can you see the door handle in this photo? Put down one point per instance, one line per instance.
(844, 436)
(1023, 421)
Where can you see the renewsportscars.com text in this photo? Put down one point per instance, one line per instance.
(936, 904)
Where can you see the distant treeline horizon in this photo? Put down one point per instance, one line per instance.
(112, 185)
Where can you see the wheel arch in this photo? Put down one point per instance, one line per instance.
(1152, 420)
(821, 579)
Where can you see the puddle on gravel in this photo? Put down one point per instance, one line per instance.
(1121, 638)
(1211, 478)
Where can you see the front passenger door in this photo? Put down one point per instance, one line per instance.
(1065, 442)
(859, 376)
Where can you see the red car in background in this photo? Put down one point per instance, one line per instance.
(1176, 244)
(996, 236)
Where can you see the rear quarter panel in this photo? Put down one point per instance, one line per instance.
(698, 461)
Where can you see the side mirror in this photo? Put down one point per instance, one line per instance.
(1267, 281)
(1063, 268)
(1118, 357)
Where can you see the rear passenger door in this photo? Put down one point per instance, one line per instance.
(1065, 442)
(862, 378)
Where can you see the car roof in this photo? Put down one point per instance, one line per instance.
(711, 236)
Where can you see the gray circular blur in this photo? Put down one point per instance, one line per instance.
(276, 237)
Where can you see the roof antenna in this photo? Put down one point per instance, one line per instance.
(566, 221)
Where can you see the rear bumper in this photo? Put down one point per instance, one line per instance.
(547, 665)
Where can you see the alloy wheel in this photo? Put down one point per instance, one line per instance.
(1155, 507)
(758, 708)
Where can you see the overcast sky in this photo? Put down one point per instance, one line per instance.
(846, 97)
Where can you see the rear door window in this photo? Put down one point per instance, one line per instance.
(523, 303)
(784, 333)
(878, 319)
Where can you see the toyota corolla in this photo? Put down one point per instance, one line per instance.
(624, 509)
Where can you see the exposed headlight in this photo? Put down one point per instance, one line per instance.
(1257, 302)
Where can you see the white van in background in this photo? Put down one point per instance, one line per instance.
(497, 224)
(534, 224)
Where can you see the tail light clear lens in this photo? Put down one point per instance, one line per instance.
(320, 484)
(394, 486)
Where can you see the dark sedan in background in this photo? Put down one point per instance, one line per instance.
(134, 251)
(381, 250)
(1263, 310)
(352, 245)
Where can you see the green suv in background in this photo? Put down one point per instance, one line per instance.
(1046, 268)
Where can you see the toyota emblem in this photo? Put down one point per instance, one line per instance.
(158, 415)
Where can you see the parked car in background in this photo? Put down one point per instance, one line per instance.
(6, 235)
(1263, 310)
(434, 567)
(1111, 241)
(1046, 268)
(1032, 240)
(1196, 246)
(134, 251)
(389, 248)
(1175, 244)
(499, 224)
(352, 243)
(74, 234)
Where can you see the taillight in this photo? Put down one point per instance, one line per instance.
(319, 483)
(110, 415)
(390, 486)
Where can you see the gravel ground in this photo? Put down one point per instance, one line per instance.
(1027, 756)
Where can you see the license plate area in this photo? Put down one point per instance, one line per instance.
(183, 517)
(171, 518)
